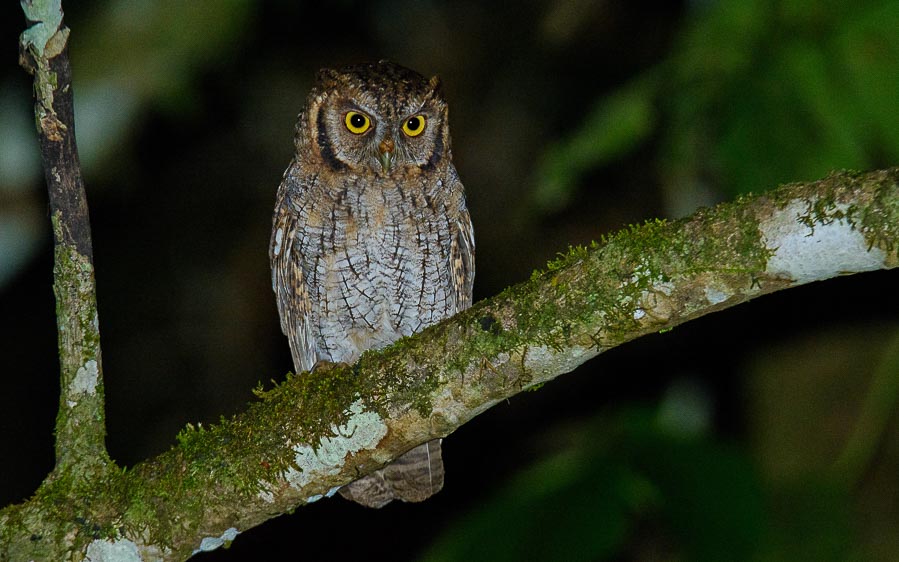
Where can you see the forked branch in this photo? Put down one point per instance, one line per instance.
(321, 430)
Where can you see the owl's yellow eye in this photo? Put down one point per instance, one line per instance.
(357, 122)
(414, 125)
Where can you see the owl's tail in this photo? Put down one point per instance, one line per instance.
(414, 477)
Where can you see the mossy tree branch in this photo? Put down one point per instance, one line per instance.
(318, 431)
(80, 423)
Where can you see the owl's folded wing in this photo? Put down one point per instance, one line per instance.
(462, 259)
(290, 288)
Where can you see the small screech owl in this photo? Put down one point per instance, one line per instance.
(371, 238)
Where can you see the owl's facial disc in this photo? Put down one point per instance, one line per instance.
(357, 112)
(360, 132)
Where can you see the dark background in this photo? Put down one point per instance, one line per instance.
(763, 432)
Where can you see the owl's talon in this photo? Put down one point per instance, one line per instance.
(323, 366)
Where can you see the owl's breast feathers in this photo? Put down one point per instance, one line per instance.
(360, 263)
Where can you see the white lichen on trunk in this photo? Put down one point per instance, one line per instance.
(546, 363)
(85, 381)
(113, 551)
(212, 543)
(364, 430)
(804, 253)
(714, 296)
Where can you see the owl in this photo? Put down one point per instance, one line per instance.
(371, 237)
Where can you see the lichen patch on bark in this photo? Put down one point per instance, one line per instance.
(363, 430)
(121, 550)
(86, 378)
(824, 249)
(212, 543)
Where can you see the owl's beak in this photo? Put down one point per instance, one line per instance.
(386, 148)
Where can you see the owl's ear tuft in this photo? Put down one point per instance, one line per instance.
(436, 86)
(326, 76)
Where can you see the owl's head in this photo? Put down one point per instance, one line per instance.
(375, 117)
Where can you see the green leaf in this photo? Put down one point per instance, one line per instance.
(614, 126)
(615, 477)
(710, 496)
(762, 92)
(134, 55)
(565, 507)
(867, 52)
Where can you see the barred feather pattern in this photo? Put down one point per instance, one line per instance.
(363, 255)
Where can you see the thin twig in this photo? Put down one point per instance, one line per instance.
(80, 425)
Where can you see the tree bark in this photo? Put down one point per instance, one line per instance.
(80, 423)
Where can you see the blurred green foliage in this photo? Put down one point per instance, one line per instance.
(754, 93)
(132, 42)
(144, 55)
(625, 484)
(614, 126)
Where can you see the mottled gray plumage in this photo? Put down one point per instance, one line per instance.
(371, 238)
